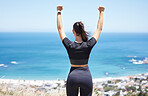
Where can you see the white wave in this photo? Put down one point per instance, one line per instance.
(132, 60)
(3, 65)
(2, 77)
(139, 62)
(14, 62)
(145, 61)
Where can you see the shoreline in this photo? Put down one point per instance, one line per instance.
(39, 82)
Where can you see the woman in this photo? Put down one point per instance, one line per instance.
(78, 51)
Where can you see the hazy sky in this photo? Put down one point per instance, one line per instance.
(40, 15)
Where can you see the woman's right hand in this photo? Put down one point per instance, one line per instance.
(101, 8)
(59, 8)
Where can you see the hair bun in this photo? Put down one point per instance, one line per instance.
(81, 24)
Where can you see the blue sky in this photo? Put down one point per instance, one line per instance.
(40, 15)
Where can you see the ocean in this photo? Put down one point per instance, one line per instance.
(42, 56)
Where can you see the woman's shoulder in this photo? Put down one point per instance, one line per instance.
(91, 42)
(92, 38)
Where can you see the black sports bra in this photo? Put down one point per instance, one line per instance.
(79, 52)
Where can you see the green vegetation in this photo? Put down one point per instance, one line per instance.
(118, 80)
(131, 88)
(117, 94)
(110, 88)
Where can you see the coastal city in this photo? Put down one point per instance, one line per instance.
(136, 85)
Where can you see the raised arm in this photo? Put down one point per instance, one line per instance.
(100, 23)
(59, 22)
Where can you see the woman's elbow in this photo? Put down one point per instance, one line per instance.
(99, 29)
(59, 28)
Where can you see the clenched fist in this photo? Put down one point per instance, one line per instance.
(59, 8)
(101, 8)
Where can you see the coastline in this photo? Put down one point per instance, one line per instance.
(38, 82)
(57, 87)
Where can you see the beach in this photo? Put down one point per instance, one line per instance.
(101, 86)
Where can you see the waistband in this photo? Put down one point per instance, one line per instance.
(72, 65)
(79, 68)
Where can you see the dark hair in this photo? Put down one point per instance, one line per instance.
(79, 29)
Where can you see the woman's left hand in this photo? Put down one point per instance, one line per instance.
(59, 8)
(101, 8)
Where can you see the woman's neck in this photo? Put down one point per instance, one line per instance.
(78, 39)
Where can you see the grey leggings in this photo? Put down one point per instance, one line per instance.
(79, 77)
